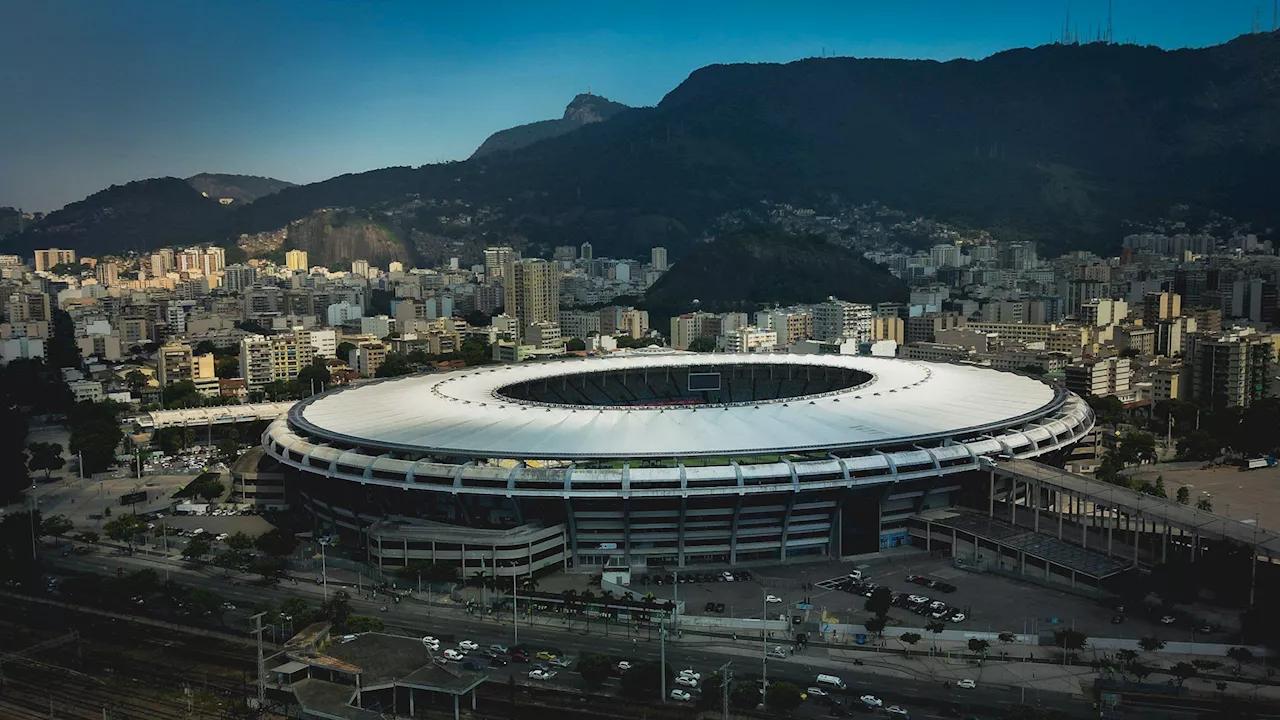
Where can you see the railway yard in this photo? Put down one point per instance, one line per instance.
(65, 664)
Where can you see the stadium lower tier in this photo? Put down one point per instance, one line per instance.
(520, 535)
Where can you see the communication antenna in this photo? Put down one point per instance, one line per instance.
(1109, 36)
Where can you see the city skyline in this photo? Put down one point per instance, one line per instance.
(307, 92)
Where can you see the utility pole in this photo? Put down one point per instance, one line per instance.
(662, 660)
(725, 681)
(262, 672)
(515, 611)
(764, 659)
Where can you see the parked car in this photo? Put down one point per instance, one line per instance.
(816, 691)
(966, 683)
(454, 655)
(895, 710)
(689, 672)
(871, 701)
(678, 694)
(468, 645)
(624, 665)
(686, 681)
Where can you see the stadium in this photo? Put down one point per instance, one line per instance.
(658, 458)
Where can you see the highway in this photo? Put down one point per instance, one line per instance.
(923, 698)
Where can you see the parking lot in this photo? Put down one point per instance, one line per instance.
(989, 603)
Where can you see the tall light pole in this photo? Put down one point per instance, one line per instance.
(662, 660)
(324, 568)
(764, 659)
(515, 611)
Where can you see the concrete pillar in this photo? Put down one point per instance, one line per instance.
(456, 714)
(1084, 538)
(1057, 497)
(1035, 489)
(1109, 528)
(1164, 544)
(953, 542)
(991, 494)
(928, 536)
(1073, 578)
(1137, 538)
(412, 711)
(1013, 501)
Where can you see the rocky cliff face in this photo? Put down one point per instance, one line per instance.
(332, 237)
(236, 188)
(583, 110)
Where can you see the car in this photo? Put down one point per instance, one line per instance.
(500, 649)
(228, 607)
(915, 599)
(221, 536)
(1117, 619)
(689, 672)
(772, 599)
(499, 660)
(816, 691)
(726, 576)
(937, 605)
(431, 643)
(468, 645)
(624, 665)
(871, 701)
(1168, 620)
(537, 674)
(895, 710)
(939, 614)
(946, 587)
(709, 607)
(545, 655)
(719, 607)
(966, 683)
(518, 656)
(686, 681)
(678, 694)
(454, 655)
(561, 663)
(956, 617)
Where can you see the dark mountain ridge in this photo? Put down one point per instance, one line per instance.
(239, 188)
(584, 109)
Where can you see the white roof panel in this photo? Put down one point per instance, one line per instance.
(461, 412)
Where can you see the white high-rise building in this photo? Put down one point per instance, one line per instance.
(841, 320)
(658, 258)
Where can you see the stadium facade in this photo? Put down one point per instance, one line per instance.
(657, 459)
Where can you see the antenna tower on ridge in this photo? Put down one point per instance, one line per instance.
(1109, 36)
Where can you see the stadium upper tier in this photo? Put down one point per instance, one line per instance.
(688, 405)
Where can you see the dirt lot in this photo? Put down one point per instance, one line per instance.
(1243, 495)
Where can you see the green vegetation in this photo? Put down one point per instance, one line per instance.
(644, 679)
(95, 434)
(783, 697)
(125, 529)
(45, 456)
(197, 547)
(594, 669)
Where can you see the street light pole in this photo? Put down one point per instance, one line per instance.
(764, 658)
(662, 660)
(515, 611)
(324, 570)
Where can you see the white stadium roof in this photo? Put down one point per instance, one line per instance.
(461, 413)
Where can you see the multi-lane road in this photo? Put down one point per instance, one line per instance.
(920, 696)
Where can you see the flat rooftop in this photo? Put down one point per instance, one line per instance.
(330, 700)
(1205, 523)
(1045, 547)
(386, 659)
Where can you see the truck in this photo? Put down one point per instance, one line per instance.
(1256, 463)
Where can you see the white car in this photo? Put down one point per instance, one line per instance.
(816, 691)
(452, 654)
(966, 683)
(957, 617)
(937, 605)
(540, 674)
(772, 599)
(871, 701)
(678, 694)
(624, 665)
(895, 710)
(430, 643)
(686, 681)
(728, 576)
(468, 645)
(917, 599)
(688, 672)
(1168, 620)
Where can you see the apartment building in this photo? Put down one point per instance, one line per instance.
(1230, 370)
(264, 360)
(1100, 377)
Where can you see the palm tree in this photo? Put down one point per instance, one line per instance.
(529, 583)
(934, 627)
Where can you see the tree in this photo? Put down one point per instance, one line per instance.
(1070, 640)
(1140, 671)
(1205, 503)
(210, 489)
(55, 525)
(1183, 671)
(240, 541)
(978, 646)
(875, 625)
(1150, 643)
(909, 639)
(363, 624)
(270, 568)
(124, 528)
(1007, 637)
(594, 669)
(89, 537)
(95, 433)
(1198, 445)
(743, 695)
(228, 450)
(880, 601)
(45, 456)
(575, 345)
(1240, 655)
(1184, 495)
(783, 697)
(227, 367)
(337, 609)
(1206, 666)
(344, 351)
(701, 344)
(197, 547)
(276, 542)
(644, 679)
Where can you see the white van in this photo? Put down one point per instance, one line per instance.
(855, 575)
(831, 681)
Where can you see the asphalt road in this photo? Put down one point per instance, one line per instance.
(921, 698)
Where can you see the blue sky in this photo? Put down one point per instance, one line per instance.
(96, 93)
